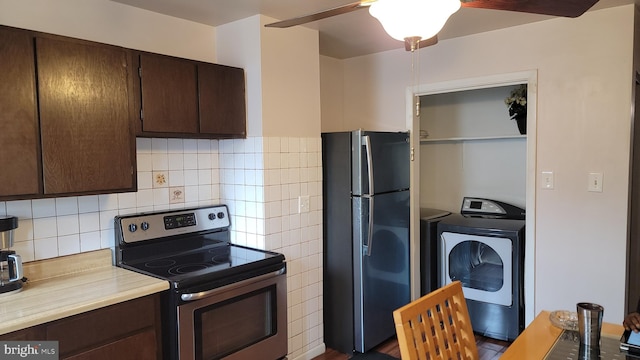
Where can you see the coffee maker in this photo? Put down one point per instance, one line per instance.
(10, 262)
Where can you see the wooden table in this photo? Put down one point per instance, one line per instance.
(538, 338)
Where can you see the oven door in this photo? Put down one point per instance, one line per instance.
(243, 320)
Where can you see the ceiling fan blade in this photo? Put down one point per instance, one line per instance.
(567, 8)
(321, 15)
(421, 43)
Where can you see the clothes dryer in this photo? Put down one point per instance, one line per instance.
(483, 248)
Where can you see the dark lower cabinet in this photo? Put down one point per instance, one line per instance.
(130, 348)
(129, 330)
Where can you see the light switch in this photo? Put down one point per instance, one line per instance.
(303, 204)
(546, 180)
(595, 182)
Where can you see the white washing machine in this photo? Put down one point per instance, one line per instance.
(483, 248)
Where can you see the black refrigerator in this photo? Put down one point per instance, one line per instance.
(365, 236)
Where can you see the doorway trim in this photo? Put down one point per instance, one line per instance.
(529, 77)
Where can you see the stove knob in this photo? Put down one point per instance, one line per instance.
(212, 216)
(220, 215)
(144, 226)
(133, 227)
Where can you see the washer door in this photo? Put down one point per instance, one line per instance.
(483, 265)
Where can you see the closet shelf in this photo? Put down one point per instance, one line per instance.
(471, 138)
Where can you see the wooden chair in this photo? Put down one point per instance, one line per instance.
(436, 326)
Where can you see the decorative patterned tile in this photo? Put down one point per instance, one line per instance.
(176, 195)
(160, 179)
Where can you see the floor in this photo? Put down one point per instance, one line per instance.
(488, 349)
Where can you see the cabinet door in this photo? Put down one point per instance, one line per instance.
(140, 346)
(85, 122)
(222, 100)
(29, 334)
(104, 331)
(169, 98)
(19, 138)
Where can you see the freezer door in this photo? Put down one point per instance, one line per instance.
(380, 162)
(381, 265)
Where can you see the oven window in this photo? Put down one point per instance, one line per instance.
(477, 266)
(226, 327)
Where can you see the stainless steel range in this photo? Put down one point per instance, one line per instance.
(225, 300)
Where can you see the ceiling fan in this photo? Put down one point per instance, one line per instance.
(565, 8)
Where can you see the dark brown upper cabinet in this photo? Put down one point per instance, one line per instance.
(169, 94)
(85, 118)
(221, 92)
(186, 98)
(72, 134)
(19, 138)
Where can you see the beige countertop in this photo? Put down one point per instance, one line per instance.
(69, 285)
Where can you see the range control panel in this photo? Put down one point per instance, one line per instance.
(491, 208)
(154, 225)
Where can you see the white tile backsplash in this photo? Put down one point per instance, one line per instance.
(66, 206)
(88, 204)
(260, 180)
(89, 222)
(89, 241)
(159, 145)
(190, 146)
(175, 146)
(67, 225)
(44, 227)
(267, 215)
(42, 208)
(44, 248)
(20, 208)
(69, 244)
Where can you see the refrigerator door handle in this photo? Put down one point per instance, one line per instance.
(367, 147)
(369, 244)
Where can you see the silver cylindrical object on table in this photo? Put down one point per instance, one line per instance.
(589, 323)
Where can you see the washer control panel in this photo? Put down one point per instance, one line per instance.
(491, 208)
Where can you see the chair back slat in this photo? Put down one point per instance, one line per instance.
(436, 327)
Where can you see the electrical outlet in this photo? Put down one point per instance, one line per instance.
(303, 204)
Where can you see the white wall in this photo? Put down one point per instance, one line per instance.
(290, 81)
(112, 23)
(332, 95)
(239, 43)
(583, 125)
(470, 148)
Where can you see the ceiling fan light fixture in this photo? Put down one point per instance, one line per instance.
(403, 19)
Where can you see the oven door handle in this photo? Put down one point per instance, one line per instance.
(204, 294)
